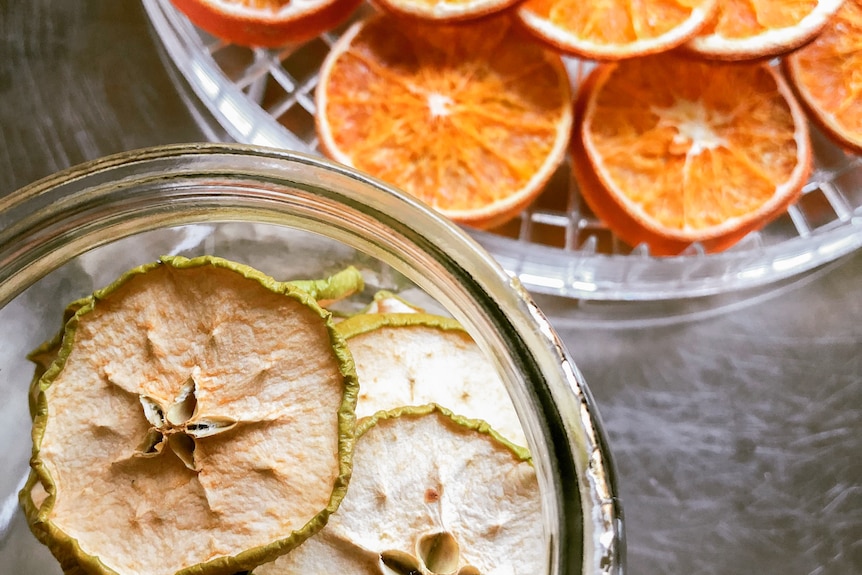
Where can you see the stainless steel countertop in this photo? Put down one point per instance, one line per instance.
(737, 434)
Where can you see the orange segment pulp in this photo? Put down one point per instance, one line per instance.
(472, 119)
(615, 29)
(671, 151)
(266, 23)
(827, 76)
(750, 29)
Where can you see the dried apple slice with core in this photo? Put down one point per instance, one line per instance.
(418, 358)
(198, 418)
(431, 493)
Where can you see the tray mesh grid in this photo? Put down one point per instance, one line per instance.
(281, 84)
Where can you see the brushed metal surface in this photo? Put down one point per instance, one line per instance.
(737, 435)
(79, 80)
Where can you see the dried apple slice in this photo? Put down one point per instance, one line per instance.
(326, 291)
(418, 358)
(198, 419)
(431, 493)
(333, 288)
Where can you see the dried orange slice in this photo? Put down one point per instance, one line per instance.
(447, 11)
(417, 358)
(472, 119)
(827, 76)
(750, 29)
(266, 23)
(431, 493)
(615, 29)
(671, 150)
(196, 402)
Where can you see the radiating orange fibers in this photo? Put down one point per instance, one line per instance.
(669, 151)
(615, 29)
(472, 119)
(827, 76)
(745, 30)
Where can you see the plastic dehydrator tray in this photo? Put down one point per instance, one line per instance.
(556, 247)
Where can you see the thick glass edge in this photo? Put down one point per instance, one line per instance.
(512, 310)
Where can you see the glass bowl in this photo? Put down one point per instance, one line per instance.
(291, 216)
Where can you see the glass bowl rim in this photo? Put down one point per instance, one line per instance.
(35, 218)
